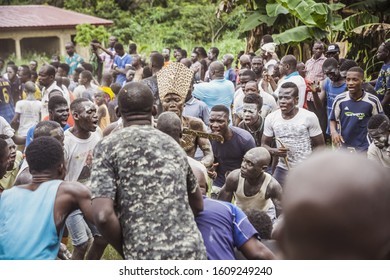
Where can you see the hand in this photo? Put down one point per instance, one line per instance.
(280, 152)
(337, 139)
(211, 172)
(315, 87)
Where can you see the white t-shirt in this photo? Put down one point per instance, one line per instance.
(29, 111)
(78, 156)
(300, 82)
(5, 128)
(294, 133)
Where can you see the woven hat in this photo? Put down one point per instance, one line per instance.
(175, 78)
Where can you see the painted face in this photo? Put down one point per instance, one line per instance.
(44, 78)
(250, 166)
(332, 72)
(12, 152)
(380, 135)
(60, 114)
(4, 162)
(318, 50)
(11, 73)
(173, 103)
(251, 113)
(218, 122)
(354, 82)
(257, 65)
(88, 118)
(287, 100)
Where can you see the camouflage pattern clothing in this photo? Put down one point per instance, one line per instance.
(146, 174)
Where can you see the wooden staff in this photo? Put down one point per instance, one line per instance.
(283, 146)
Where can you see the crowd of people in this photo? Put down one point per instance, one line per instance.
(185, 156)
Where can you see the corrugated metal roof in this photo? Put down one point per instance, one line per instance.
(43, 17)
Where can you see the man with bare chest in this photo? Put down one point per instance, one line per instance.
(251, 187)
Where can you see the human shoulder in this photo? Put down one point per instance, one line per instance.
(232, 180)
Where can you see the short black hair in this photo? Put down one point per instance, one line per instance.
(87, 74)
(118, 46)
(76, 106)
(221, 108)
(290, 60)
(116, 87)
(331, 61)
(87, 66)
(79, 70)
(201, 51)
(347, 64)
(267, 38)
(261, 222)
(44, 128)
(50, 159)
(215, 50)
(3, 148)
(56, 101)
(65, 67)
(254, 99)
(183, 53)
(291, 85)
(135, 97)
(157, 61)
(357, 69)
(386, 45)
(376, 121)
(250, 73)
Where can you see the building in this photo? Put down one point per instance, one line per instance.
(29, 29)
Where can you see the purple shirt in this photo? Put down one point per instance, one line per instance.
(223, 226)
(229, 155)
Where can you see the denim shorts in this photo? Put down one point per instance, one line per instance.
(79, 230)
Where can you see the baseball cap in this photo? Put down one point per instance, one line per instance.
(333, 48)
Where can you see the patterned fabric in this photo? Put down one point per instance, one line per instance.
(73, 62)
(383, 82)
(176, 78)
(148, 179)
(314, 69)
(7, 109)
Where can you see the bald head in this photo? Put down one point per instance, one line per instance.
(135, 98)
(169, 123)
(245, 61)
(216, 70)
(337, 212)
(254, 163)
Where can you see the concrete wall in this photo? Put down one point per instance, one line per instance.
(53, 40)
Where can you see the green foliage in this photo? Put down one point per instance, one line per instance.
(87, 32)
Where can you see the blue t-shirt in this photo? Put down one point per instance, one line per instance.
(27, 226)
(30, 134)
(216, 92)
(353, 116)
(7, 109)
(121, 62)
(223, 226)
(383, 82)
(331, 93)
(230, 75)
(229, 155)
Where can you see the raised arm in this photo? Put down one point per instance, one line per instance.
(231, 183)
